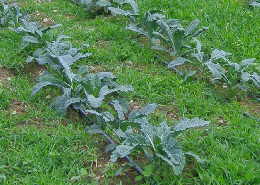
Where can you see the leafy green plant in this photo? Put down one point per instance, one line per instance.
(11, 14)
(176, 37)
(123, 121)
(232, 74)
(220, 69)
(147, 24)
(53, 50)
(86, 92)
(254, 3)
(121, 7)
(33, 33)
(93, 5)
(158, 143)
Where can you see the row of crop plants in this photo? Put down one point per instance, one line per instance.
(102, 99)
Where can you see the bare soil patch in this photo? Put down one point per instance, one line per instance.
(5, 76)
(17, 107)
(43, 19)
(252, 106)
(100, 166)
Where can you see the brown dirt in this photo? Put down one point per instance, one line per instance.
(33, 69)
(99, 167)
(220, 121)
(17, 107)
(5, 77)
(101, 43)
(252, 106)
(171, 111)
(95, 68)
(43, 19)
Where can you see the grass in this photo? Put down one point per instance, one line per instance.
(39, 146)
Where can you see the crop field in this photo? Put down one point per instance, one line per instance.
(174, 85)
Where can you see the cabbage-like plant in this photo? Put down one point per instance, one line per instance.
(158, 143)
(49, 54)
(254, 3)
(34, 34)
(82, 91)
(176, 38)
(135, 133)
(234, 75)
(11, 14)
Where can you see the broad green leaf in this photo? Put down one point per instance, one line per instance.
(30, 39)
(185, 124)
(133, 28)
(191, 73)
(192, 26)
(124, 88)
(160, 48)
(163, 131)
(119, 109)
(118, 11)
(95, 102)
(177, 169)
(61, 37)
(178, 61)
(134, 5)
(216, 70)
(132, 115)
(29, 59)
(40, 85)
(254, 3)
(71, 101)
(121, 151)
(218, 54)
(199, 31)
(173, 151)
(148, 109)
(49, 77)
(66, 61)
(103, 3)
(82, 70)
(110, 147)
(101, 115)
(256, 79)
(160, 35)
(198, 159)
(173, 23)
(247, 62)
(103, 75)
(38, 52)
(94, 129)
(167, 31)
(178, 39)
(121, 106)
(123, 134)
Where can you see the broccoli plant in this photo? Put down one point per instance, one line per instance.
(33, 33)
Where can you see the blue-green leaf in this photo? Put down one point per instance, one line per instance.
(40, 85)
(185, 124)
